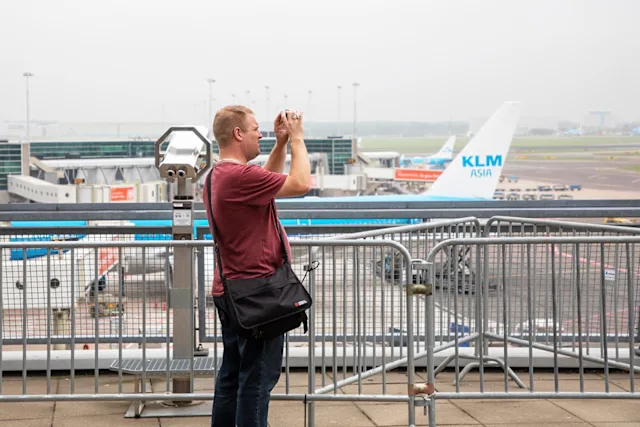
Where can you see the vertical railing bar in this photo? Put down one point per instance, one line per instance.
(96, 316)
(504, 314)
(334, 328)
(25, 288)
(576, 252)
(354, 308)
(555, 323)
(1, 315)
(49, 314)
(344, 312)
(144, 320)
(73, 319)
(603, 319)
(168, 280)
(324, 316)
(631, 316)
(530, 316)
(120, 306)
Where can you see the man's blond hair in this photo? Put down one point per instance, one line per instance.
(226, 120)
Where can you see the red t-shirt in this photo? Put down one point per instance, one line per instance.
(244, 209)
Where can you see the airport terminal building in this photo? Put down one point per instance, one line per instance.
(127, 164)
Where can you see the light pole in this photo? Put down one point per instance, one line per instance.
(210, 120)
(355, 99)
(233, 96)
(285, 101)
(248, 92)
(266, 109)
(339, 87)
(26, 148)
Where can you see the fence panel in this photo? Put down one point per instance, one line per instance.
(66, 279)
(361, 323)
(572, 299)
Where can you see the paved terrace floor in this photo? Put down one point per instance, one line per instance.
(526, 413)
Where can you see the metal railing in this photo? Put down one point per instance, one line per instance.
(344, 287)
(582, 308)
(530, 293)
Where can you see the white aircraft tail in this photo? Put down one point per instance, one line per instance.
(446, 152)
(475, 171)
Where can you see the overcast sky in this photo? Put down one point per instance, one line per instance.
(415, 60)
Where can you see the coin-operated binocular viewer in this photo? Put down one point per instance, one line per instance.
(183, 155)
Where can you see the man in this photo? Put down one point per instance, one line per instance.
(243, 207)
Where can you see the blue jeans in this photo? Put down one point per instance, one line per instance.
(250, 370)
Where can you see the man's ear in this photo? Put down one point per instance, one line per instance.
(237, 133)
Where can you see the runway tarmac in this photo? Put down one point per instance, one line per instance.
(591, 175)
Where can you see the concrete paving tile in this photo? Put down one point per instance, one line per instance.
(41, 422)
(573, 385)
(23, 411)
(396, 414)
(326, 415)
(393, 389)
(603, 411)
(474, 386)
(77, 409)
(186, 421)
(106, 385)
(297, 379)
(516, 412)
(626, 385)
(580, 424)
(34, 386)
(105, 421)
(498, 376)
(614, 424)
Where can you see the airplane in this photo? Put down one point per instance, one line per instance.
(574, 132)
(442, 157)
(63, 280)
(472, 175)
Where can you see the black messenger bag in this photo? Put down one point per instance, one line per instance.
(263, 307)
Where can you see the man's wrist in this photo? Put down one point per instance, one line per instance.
(297, 139)
(281, 141)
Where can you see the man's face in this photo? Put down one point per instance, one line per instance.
(252, 138)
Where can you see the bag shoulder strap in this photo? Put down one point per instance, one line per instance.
(216, 248)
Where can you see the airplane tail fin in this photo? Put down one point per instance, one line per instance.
(446, 152)
(475, 171)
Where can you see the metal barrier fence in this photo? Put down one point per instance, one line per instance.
(382, 268)
(584, 306)
(64, 279)
(573, 297)
(357, 336)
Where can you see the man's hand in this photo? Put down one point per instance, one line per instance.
(293, 124)
(279, 128)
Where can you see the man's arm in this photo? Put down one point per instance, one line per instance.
(277, 158)
(298, 182)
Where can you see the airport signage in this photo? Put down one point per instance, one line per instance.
(481, 161)
(122, 194)
(425, 175)
(481, 165)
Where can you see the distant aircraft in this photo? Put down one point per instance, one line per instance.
(636, 131)
(574, 132)
(442, 157)
(63, 280)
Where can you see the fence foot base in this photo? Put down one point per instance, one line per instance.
(158, 409)
(487, 361)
